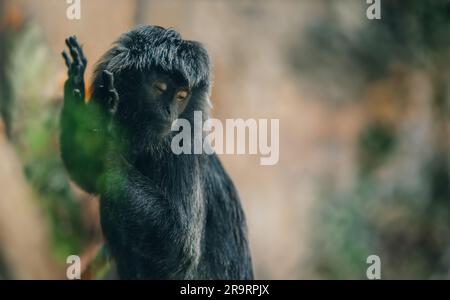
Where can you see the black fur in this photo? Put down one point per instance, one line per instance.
(164, 216)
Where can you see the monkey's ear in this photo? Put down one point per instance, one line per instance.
(110, 90)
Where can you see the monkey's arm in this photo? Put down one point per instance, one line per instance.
(225, 215)
(83, 131)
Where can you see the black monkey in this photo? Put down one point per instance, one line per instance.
(164, 216)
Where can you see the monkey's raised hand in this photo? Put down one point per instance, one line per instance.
(83, 125)
(76, 65)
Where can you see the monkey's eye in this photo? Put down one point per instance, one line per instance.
(160, 87)
(182, 95)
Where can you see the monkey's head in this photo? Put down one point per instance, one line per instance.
(159, 77)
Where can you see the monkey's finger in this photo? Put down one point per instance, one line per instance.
(84, 59)
(68, 44)
(82, 56)
(79, 49)
(73, 51)
(66, 59)
(71, 43)
(73, 40)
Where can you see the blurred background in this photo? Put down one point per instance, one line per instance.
(364, 109)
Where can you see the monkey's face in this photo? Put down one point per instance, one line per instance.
(161, 100)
